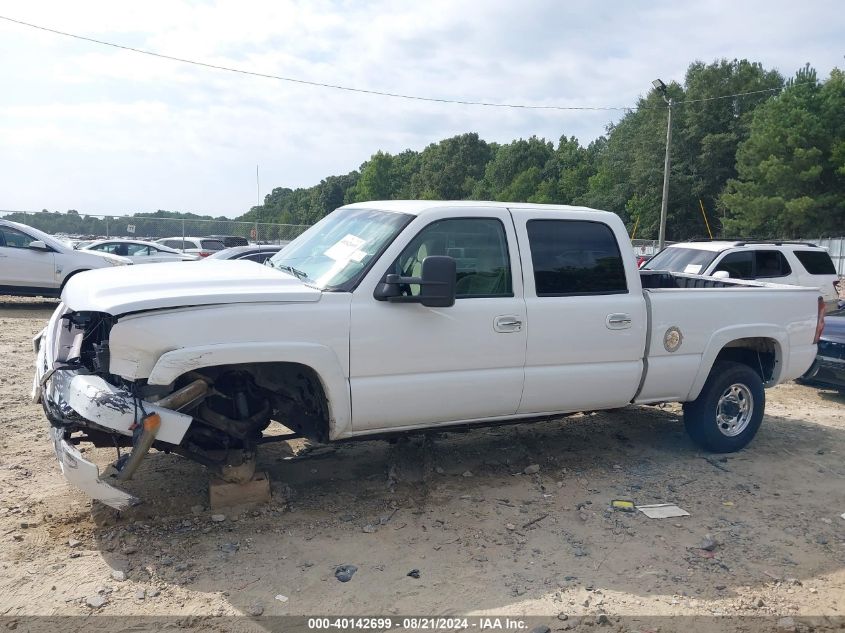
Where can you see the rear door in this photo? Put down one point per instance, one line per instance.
(587, 322)
(770, 265)
(411, 365)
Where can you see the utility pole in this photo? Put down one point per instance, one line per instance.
(667, 164)
(257, 187)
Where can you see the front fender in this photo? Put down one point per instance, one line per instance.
(321, 359)
(722, 337)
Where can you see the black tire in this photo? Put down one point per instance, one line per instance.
(741, 409)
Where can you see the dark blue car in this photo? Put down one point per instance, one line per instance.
(828, 370)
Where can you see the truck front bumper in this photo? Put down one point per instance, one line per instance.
(76, 401)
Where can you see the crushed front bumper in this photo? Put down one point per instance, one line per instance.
(74, 400)
(86, 475)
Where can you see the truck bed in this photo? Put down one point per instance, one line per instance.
(708, 314)
(662, 279)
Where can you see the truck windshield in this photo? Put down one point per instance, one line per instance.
(681, 260)
(337, 251)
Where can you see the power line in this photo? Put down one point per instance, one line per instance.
(379, 93)
(738, 94)
(317, 84)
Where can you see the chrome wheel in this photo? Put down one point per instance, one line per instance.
(734, 410)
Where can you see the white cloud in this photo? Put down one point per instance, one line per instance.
(100, 129)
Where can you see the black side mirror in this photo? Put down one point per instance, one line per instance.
(437, 284)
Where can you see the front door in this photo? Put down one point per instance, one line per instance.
(412, 365)
(24, 267)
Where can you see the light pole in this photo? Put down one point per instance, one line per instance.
(661, 237)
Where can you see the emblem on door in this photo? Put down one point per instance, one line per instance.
(672, 339)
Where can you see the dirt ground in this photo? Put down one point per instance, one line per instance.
(486, 537)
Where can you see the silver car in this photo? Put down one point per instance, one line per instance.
(139, 251)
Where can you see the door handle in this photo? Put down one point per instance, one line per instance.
(507, 323)
(618, 321)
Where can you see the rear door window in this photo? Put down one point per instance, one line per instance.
(138, 250)
(739, 265)
(212, 245)
(575, 257)
(770, 264)
(816, 262)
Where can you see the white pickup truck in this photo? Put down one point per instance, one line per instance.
(400, 316)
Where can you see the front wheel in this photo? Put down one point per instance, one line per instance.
(728, 411)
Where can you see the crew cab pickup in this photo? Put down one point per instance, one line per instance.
(400, 316)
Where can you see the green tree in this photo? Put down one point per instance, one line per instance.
(791, 180)
(448, 170)
(377, 180)
(516, 170)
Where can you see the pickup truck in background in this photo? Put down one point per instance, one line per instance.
(401, 316)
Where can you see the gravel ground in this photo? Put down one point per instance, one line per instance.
(486, 536)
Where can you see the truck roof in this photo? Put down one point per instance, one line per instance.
(419, 207)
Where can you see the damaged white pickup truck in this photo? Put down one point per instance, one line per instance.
(396, 316)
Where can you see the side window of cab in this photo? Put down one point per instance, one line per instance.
(478, 246)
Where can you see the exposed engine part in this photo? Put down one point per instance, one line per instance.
(145, 434)
(148, 428)
(188, 394)
(298, 399)
(242, 429)
(238, 407)
(90, 346)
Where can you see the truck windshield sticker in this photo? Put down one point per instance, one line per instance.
(349, 247)
(692, 269)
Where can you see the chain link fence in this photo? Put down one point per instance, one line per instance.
(646, 248)
(83, 226)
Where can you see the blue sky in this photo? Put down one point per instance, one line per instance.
(107, 131)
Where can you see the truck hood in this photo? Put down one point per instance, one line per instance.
(125, 289)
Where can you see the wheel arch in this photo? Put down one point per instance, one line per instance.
(764, 349)
(310, 363)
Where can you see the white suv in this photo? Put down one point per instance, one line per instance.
(795, 263)
(200, 246)
(33, 263)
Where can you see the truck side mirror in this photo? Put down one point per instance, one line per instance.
(721, 274)
(437, 284)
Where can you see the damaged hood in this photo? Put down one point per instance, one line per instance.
(125, 289)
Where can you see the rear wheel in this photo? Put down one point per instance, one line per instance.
(726, 415)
